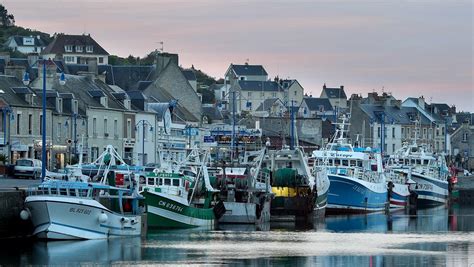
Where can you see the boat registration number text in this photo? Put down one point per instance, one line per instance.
(425, 186)
(170, 206)
(80, 210)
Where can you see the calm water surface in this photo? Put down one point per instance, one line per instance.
(433, 237)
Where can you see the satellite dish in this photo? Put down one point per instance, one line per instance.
(167, 121)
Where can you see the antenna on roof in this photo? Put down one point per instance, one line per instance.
(162, 49)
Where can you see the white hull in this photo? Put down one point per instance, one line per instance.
(62, 217)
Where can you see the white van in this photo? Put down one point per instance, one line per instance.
(28, 168)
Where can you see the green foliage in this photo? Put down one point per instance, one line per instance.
(6, 19)
(3, 158)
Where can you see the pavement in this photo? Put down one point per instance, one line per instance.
(10, 183)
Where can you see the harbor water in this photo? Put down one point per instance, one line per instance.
(438, 236)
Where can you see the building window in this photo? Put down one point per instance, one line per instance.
(79, 48)
(242, 78)
(18, 123)
(106, 133)
(30, 124)
(424, 133)
(59, 108)
(378, 132)
(393, 148)
(89, 49)
(274, 94)
(76, 106)
(68, 48)
(464, 136)
(101, 60)
(393, 132)
(442, 130)
(249, 94)
(296, 93)
(94, 126)
(69, 59)
(129, 128)
(115, 128)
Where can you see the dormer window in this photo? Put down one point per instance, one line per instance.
(127, 104)
(89, 49)
(79, 48)
(103, 101)
(68, 48)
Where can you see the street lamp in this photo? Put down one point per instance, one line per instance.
(143, 123)
(26, 82)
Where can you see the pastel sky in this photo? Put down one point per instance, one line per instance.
(406, 47)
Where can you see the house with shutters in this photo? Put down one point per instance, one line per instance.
(75, 49)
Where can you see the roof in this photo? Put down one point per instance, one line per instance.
(268, 86)
(21, 90)
(8, 95)
(212, 113)
(335, 92)
(244, 70)
(61, 40)
(315, 104)
(96, 93)
(66, 95)
(142, 85)
(136, 95)
(120, 96)
(465, 117)
(267, 104)
(37, 41)
(402, 115)
(189, 74)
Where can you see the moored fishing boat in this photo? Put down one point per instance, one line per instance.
(86, 210)
(355, 185)
(169, 195)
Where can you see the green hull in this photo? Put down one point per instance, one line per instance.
(166, 213)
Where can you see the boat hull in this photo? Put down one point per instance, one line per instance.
(352, 195)
(164, 212)
(431, 192)
(246, 213)
(74, 218)
(399, 196)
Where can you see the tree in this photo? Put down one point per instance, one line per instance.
(5, 18)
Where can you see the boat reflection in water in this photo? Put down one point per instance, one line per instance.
(101, 251)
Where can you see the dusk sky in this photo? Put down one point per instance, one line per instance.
(407, 47)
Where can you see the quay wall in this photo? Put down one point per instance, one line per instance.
(11, 225)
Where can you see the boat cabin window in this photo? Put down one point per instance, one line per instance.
(151, 181)
(352, 163)
(72, 192)
(63, 191)
(176, 182)
(418, 161)
(426, 162)
(359, 164)
(167, 181)
(54, 191)
(345, 162)
(83, 192)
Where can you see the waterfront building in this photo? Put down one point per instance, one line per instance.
(462, 141)
(337, 97)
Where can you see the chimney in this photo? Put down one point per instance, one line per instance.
(421, 102)
(324, 86)
(32, 58)
(342, 87)
(50, 73)
(92, 66)
(16, 71)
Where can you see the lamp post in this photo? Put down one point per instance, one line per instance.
(143, 123)
(26, 82)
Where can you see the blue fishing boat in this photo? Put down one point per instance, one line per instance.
(356, 185)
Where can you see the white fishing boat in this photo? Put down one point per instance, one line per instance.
(428, 171)
(355, 185)
(61, 209)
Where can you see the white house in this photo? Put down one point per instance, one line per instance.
(26, 44)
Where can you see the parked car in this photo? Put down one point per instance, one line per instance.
(28, 168)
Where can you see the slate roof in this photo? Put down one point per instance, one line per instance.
(244, 70)
(37, 42)
(314, 103)
(96, 93)
(142, 85)
(61, 40)
(267, 86)
(463, 117)
(10, 97)
(189, 74)
(136, 95)
(120, 96)
(21, 90)
(212, 113)
(335, 92)
(267, 104)
(403, 115)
